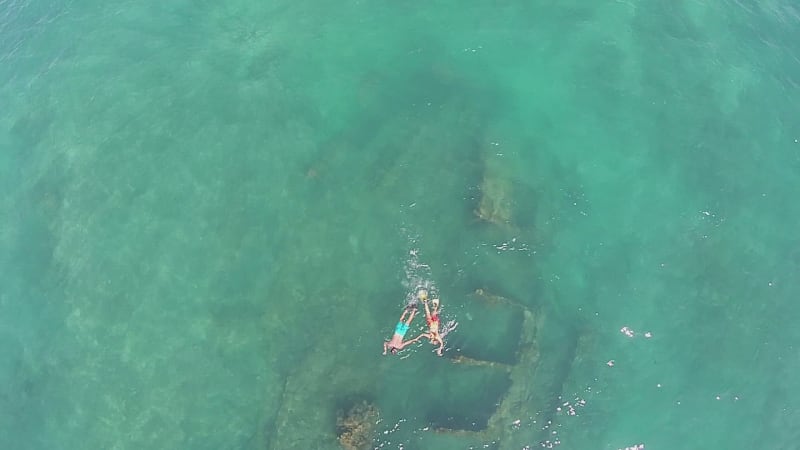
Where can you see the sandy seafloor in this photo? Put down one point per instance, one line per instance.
(211, 212)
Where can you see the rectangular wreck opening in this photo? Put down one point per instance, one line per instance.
(489, 332)
(468, 399)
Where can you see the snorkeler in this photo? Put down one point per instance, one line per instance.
(396, 343)
(432, 318)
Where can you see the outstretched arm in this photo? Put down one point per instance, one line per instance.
(385, 346)
(427, 310)
(423, 335)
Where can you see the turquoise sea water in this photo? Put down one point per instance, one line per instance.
(213, 213)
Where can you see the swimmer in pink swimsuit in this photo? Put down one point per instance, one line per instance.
(432, 318)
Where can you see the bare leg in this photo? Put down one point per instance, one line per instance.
(403, 316)
(441, 347)
(410, 317)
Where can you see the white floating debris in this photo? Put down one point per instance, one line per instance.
(626, 331)
(634, 447)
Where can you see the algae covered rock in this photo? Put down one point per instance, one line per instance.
(495, 201)
(355, 427)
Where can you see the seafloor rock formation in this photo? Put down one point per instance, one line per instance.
(495, 201)
(355, 426)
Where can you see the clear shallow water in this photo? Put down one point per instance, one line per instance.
(209, 210)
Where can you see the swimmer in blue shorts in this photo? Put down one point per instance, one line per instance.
(396, 343)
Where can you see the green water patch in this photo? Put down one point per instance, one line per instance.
(32, 293)
(24, 390)
(29, 130)
(451, 439)
(403, 148)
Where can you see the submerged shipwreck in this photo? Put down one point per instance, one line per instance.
(499, 384)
